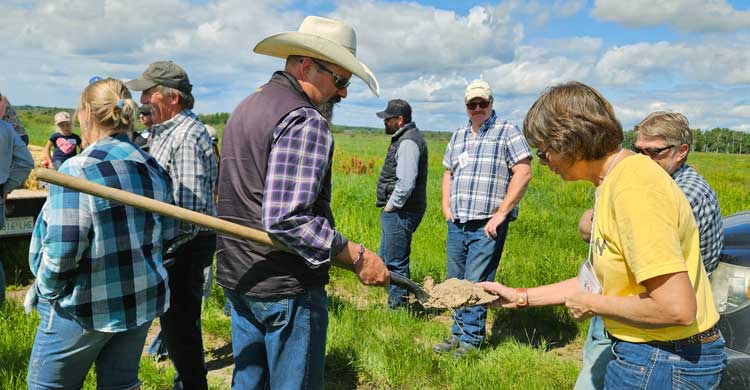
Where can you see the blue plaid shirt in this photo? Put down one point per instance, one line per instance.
(99, 260)
(706, 211)
(299, 161)
(481, 166)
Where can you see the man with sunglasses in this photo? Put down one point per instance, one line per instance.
(488, 166)
(276, 176)
(401, 192)
(666, 138)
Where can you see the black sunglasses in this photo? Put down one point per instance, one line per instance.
(338, 81)
(542, 154)
(651, 152)
(473, 106)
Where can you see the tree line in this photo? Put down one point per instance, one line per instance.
(716, 140)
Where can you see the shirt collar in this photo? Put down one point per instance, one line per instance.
(488, 124)
(677, 172)
(403, 130)
(171, 122)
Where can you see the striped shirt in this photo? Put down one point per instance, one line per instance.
(100, 260)
(706, 211)
(480, 167)
(182, 146)
(299, 165)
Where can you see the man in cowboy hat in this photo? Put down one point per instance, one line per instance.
(181, 144)
(401, 192)
(276, 176)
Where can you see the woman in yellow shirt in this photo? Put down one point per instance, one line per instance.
(647, 280)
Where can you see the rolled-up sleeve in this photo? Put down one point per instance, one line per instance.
(298, 163)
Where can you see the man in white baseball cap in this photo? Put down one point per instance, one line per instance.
(276, 175)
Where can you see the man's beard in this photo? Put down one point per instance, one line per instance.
(326, 109)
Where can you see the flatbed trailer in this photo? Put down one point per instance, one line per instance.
(21, 210)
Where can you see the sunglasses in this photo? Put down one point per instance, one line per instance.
(542, 154)
(473, 106)
(651, 152)
(338, 81)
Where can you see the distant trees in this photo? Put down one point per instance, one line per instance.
(219, 118)
(716, 140)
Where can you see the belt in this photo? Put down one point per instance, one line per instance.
(704, 337)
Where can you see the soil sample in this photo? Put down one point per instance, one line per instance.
(455, 293)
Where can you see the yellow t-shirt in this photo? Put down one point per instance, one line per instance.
(645, 228)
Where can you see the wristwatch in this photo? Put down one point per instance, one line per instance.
(522, 297)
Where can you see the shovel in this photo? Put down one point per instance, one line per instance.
(195, 218)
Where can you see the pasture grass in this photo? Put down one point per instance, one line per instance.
(372, 347)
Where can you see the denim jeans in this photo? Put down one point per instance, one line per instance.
(686, 366)
(279, 343)
(397, 228)
(472, 256)
(597, 353)
(63, 353)
(181, 324)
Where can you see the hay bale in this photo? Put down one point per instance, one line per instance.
(32, 183)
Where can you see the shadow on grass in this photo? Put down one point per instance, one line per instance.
(537, 327)
(222, 357)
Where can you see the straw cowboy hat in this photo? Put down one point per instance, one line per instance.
(325, 39)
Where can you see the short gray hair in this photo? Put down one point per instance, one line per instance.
(672, 126)
(186, 100)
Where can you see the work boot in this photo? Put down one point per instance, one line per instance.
(463, 350)
(446, 345)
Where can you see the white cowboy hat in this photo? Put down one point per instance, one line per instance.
(325, 39)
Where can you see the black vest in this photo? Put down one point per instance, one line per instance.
(242, 265)
(417, 201)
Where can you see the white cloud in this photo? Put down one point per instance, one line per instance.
(684, 15)
(647, 62)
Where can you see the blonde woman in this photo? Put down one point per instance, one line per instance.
(98, 264)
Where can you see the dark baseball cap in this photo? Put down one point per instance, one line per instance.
(396, 107)
(164, 73)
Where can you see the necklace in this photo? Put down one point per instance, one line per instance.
(596, 200)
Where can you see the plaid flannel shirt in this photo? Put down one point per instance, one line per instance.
(706, 211)
(299, 161)
(101, 260)
(481, 167)
(182, 146)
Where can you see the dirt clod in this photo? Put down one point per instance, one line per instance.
(456, 293)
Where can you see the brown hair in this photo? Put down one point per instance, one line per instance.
(574, 120)
(672, 126)
(110, 104)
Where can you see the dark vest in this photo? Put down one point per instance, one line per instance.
(417, 201)
(242, 265)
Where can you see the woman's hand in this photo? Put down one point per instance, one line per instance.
(579, 305)
(508, 296)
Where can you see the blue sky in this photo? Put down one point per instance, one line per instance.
(691, 56)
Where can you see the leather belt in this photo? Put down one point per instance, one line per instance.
(704, 337)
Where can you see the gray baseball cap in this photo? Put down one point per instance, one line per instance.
(165, 73)
(396, 107)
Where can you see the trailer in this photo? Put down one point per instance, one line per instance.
(21, 210)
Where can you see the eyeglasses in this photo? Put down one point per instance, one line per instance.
(542, 154)
(338, 81)
(651, 152)
(473, 106)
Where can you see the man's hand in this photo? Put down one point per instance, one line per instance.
(507, 295)
(447, 214)
(388, 209)
(490, 229)
(371, 270)
(578, 306)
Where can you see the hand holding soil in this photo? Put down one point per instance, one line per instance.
(455, 293)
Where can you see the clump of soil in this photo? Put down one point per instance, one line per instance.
(455, 293)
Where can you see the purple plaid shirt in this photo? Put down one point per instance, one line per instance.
(299, 161)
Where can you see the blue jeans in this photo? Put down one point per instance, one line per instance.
(686, 366)
(63, 353)
(472, 256)
(397, 228)
(181, 324)
(279, 343)
(597, 353)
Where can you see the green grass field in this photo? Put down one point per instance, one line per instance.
(371, 347)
